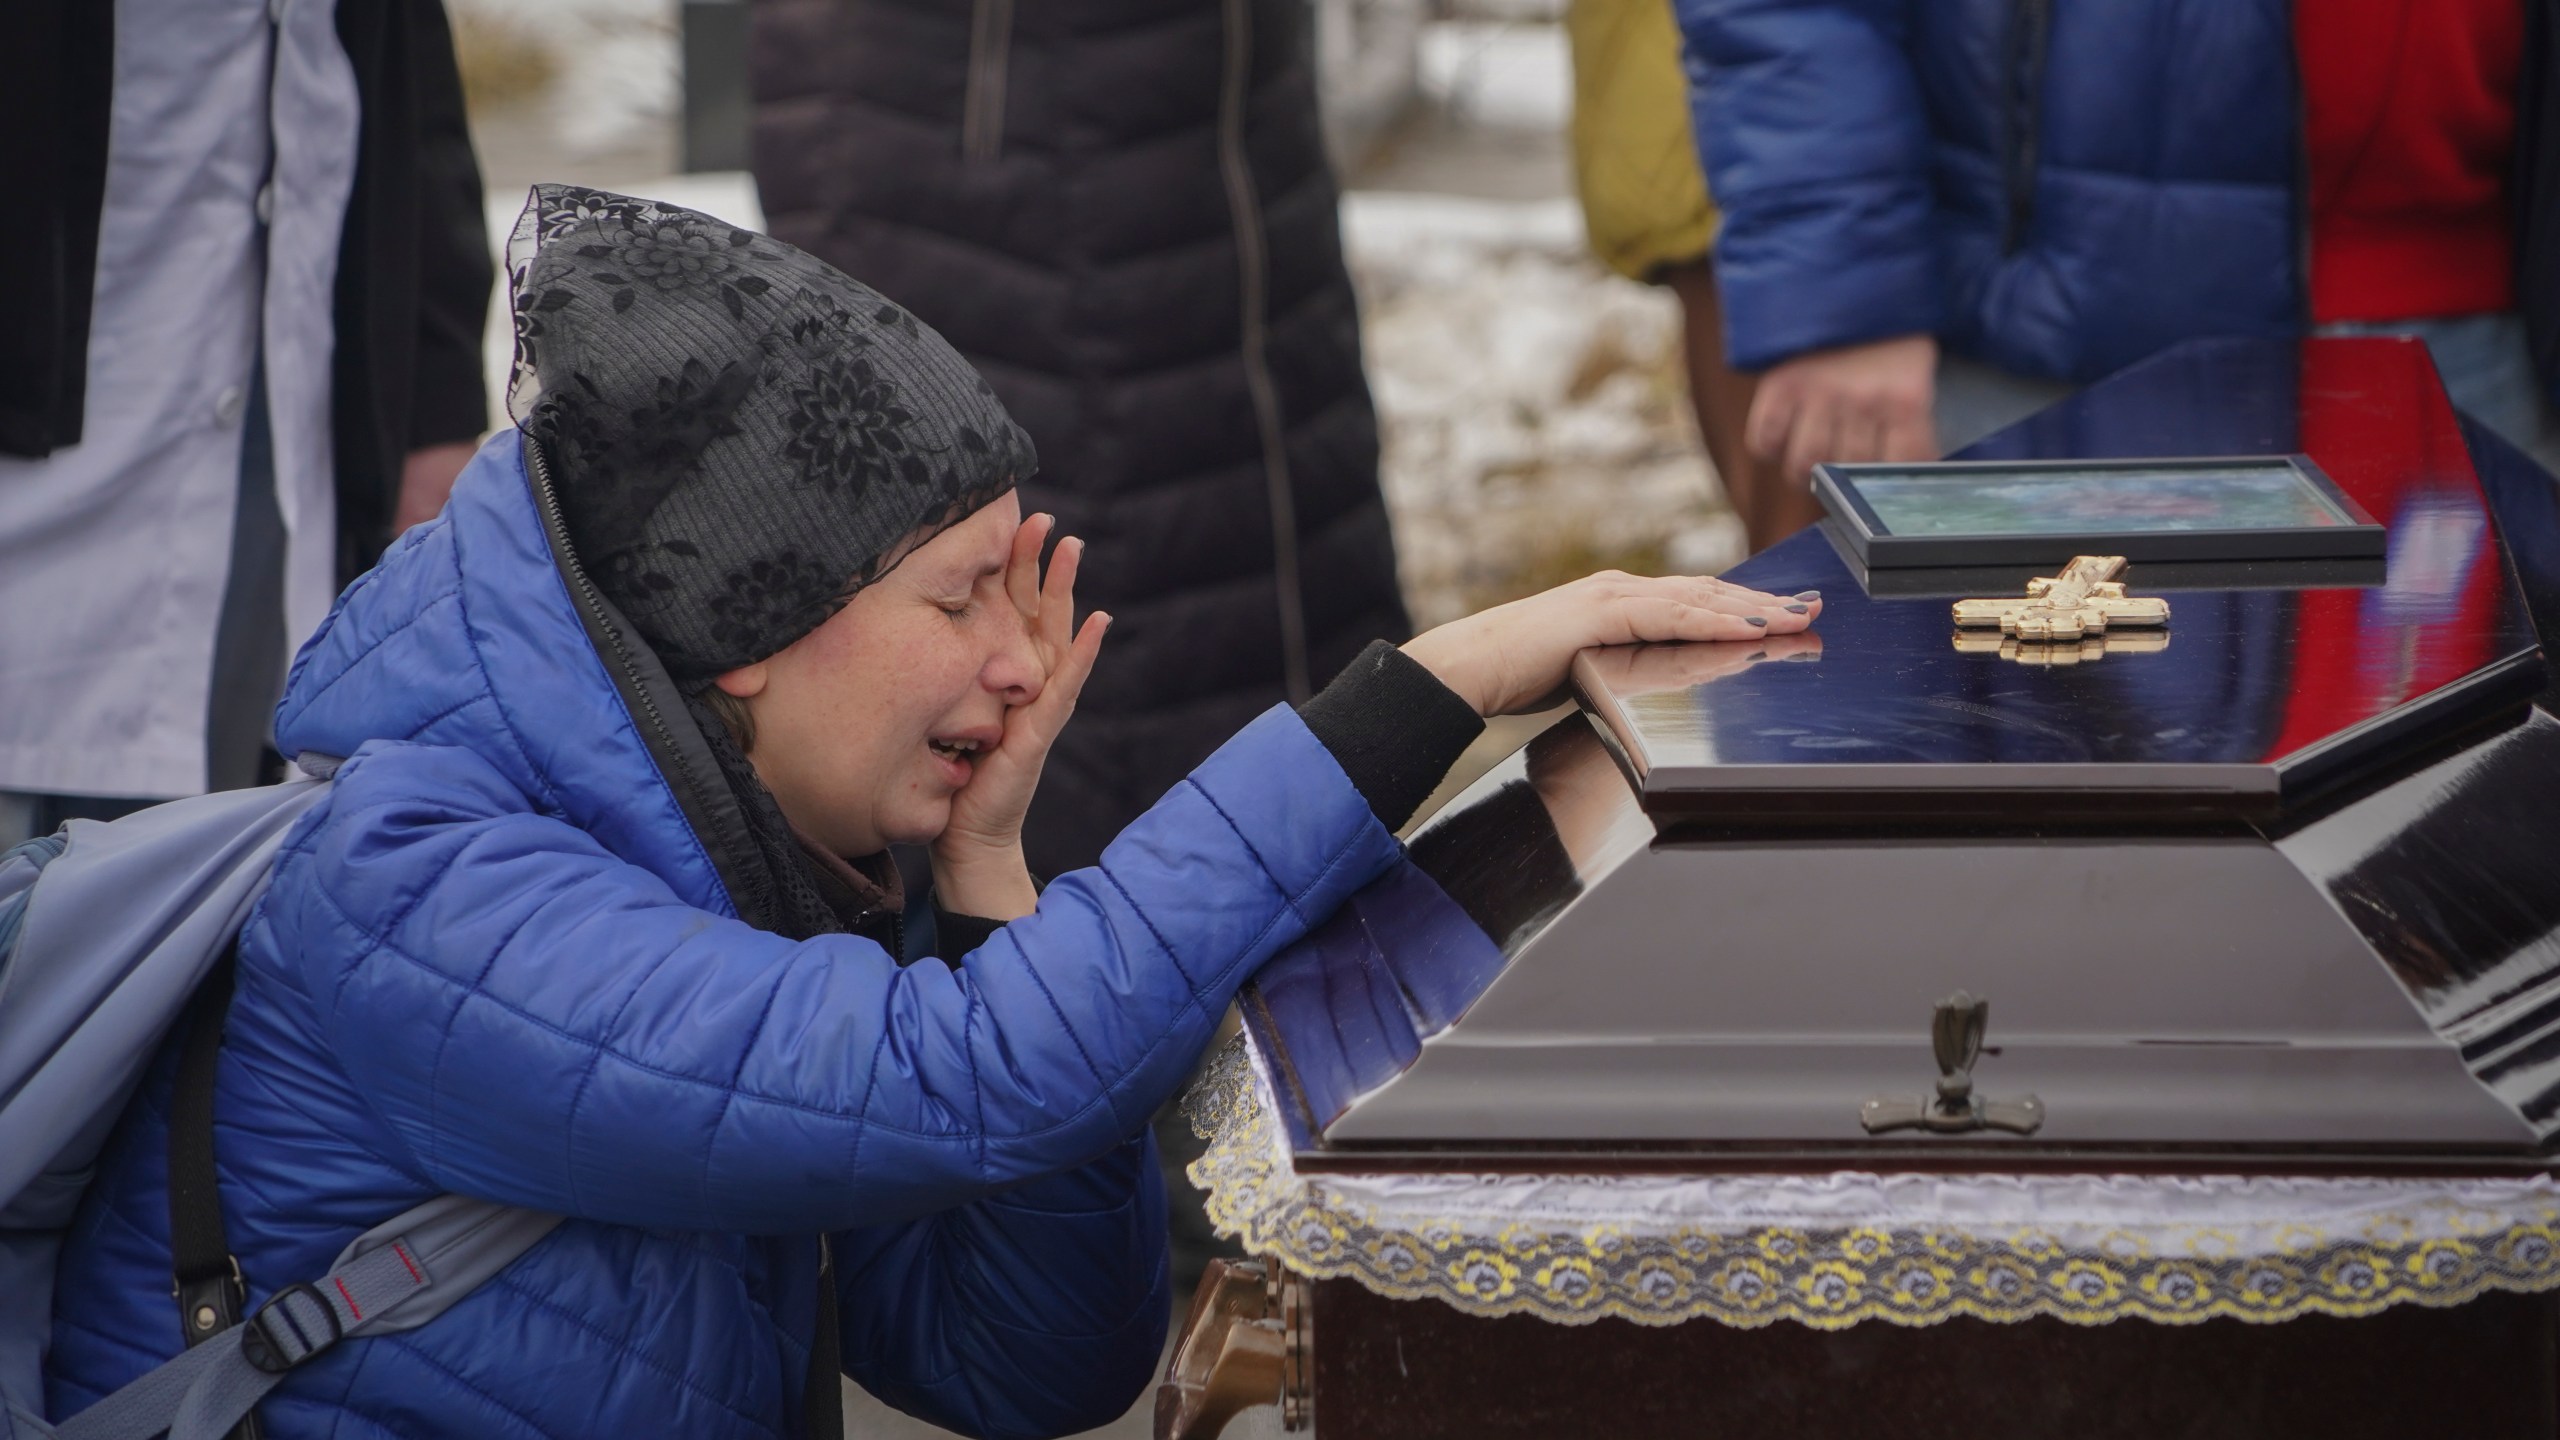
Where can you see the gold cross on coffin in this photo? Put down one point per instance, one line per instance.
(2084, 605)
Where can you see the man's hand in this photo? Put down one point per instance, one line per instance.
(977, 861)
(1859, 402)
(426, 482)
(1511, 658)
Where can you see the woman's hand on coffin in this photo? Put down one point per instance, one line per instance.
(1512, 658)
(1855, 403)
(978, 859)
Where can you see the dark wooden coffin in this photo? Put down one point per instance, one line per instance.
(2280, 897)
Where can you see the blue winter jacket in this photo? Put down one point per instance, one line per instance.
(497, 961)
(2059, 189)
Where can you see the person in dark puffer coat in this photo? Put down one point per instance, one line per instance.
(569, 932)
(1121, 212)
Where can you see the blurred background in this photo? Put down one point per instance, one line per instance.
(1532, 405)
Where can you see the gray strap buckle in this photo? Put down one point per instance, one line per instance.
(295, 1324)
(397, 1276)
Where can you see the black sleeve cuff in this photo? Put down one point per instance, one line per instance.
(957, 935)
(1394, 729)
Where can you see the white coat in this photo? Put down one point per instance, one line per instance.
(114, 552)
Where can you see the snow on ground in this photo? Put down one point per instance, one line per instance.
(613, 67)
(1497, 74)
(1533, 406)
(1534, 418)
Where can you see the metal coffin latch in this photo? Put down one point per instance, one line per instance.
(1956, 1032)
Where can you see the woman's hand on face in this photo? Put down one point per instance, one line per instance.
(1513, 658)
(978, 857)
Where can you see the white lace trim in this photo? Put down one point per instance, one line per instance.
(1834, 1249)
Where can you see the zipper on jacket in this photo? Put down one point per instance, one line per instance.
(697, 800)
(982, 103)
(2030, 34)
(591, 601)
(1244, 211)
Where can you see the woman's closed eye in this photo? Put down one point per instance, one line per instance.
(961, 605)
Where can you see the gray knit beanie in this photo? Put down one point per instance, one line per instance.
(740, 435)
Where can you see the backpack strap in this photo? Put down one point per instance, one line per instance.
(303, 1320)
(416, 1265)
(206, 1278)
(396, 1276)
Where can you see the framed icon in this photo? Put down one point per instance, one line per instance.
(2035, 512)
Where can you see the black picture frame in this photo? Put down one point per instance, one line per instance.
(1965, 581)
(1875, 547)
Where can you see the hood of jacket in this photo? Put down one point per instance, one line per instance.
(468, 634)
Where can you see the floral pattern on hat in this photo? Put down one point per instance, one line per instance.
(740, 435)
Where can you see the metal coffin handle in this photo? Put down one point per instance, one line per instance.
(1955, 1033)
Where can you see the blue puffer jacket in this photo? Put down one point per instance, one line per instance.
(2059, 189)
(498, 961)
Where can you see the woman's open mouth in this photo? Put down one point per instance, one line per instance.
(956, 756)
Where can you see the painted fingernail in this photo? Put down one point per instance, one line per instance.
(1804, 655)
(1799, 609)
(1759, 654)
(1808, 594)
(1755, 620)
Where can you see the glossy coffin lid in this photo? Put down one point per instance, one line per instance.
(2266, 694)
(1563, 975)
